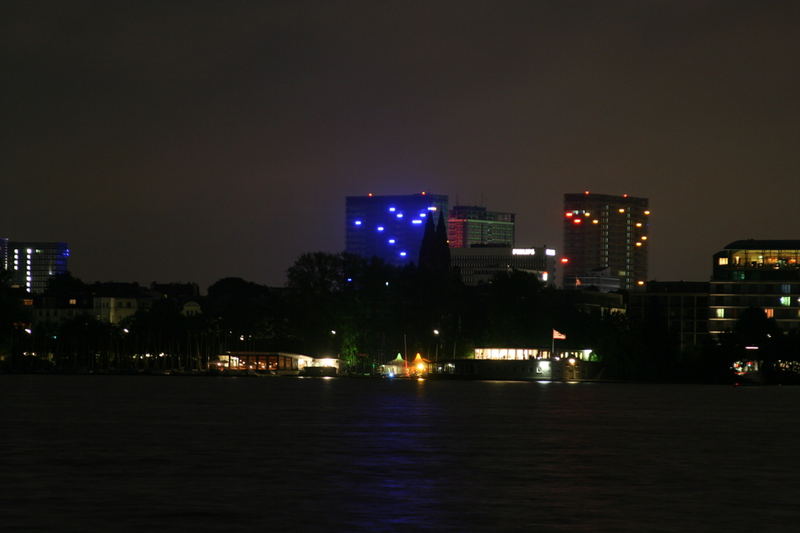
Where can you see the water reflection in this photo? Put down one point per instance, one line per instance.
(176, 454)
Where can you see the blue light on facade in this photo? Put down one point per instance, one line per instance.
(403, 254)
(391, 231)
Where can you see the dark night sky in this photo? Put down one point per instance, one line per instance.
(191, 141)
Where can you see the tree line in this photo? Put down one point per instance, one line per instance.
(365, 312)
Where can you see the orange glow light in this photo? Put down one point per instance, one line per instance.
(621, 210)
(595, 221)
(576, 221)
(564, 260)
(568, 214)
(586, 193)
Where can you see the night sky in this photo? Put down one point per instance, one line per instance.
(192, 141)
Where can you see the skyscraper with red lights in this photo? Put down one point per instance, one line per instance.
(605, 238)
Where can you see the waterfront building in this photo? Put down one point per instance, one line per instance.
(469, 226)
(280, 363)
(605, 233)
(480, 264)
(390, 227)
(32, 264)
(755, 273)
(679, 306)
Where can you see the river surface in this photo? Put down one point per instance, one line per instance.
(130, 453)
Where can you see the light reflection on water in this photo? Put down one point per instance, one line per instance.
(206, 454)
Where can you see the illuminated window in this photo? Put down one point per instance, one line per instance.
(73, 301)
(786, 301)
(769, 312)
(720, 313)
(723, 261)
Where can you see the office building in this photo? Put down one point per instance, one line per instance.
(472, 225)
(479, 264)
(605, 234)
(390, 227)
(680, 307)
(32, 264)
(755, 273)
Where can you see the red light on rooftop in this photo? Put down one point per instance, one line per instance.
(370, 195)
(564, 260)
(624, 195)
(423, 193)
(586, 193)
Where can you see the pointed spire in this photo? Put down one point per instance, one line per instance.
(426, 249)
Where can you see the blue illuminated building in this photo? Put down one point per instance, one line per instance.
(390, 227)
(32, 264)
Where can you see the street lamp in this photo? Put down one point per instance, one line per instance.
(436, 333)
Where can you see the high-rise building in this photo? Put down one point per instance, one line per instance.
(3, 253)
(755, 273)
(32, 264)
(472, 225)
(390, 227)
(605, 234)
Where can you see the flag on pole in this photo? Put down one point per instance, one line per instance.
(558, 335)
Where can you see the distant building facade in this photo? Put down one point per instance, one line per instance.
(32, 264)
(390, 227)
(479, 265)
(681, 307)
(605, 232)
(3, 253)
(755, 273)
(472, 225)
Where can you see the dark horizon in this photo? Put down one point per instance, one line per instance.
(169, 143)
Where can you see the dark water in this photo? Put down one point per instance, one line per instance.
(113, 453)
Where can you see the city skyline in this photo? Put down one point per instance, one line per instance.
(167, 143)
